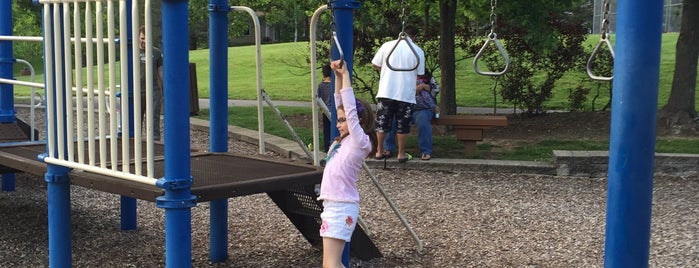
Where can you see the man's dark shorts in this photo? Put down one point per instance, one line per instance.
(386, 109)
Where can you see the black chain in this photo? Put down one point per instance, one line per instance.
(402, 16)
(605, 19)
(333, 27)
(493, 16)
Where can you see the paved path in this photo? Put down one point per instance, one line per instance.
(204, 104)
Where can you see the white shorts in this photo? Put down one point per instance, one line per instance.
(338, 219)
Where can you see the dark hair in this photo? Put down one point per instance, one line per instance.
(368, 123)
(410, 30)
(326, 70)
(427, 76)
(142, 29)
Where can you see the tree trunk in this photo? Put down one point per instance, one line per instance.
(679, 112)
(447, 10)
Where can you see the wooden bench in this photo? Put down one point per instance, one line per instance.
(469, 128)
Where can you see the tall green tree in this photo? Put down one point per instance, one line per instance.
(680, 111)
(26, 21)
(447, 56)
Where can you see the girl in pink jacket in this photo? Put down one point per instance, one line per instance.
(338, 190)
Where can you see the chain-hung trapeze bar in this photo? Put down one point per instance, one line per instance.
(492, 38)
(604, 40)
(403, 36)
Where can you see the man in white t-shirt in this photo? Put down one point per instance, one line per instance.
(399, 65)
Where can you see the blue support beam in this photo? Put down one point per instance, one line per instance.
(129, 206)
(344, 20)
(218, 118)
(7, 111)
(7, 60)
(218, 67)
(178, 199)
(129, 209)
(58, 192)
(8, 182)
(632, 142)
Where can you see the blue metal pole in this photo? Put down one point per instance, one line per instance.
(632, 142)
(218, 229)
(58, 191)
(7, 112)
(218, 118)
(7, 107)
(128, 213)
(57, 186)
(130, 87)
(177, 200)
(344, 23)
(129, 209)
(8, 182)
(218, 68)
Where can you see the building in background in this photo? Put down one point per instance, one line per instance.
(672, 16)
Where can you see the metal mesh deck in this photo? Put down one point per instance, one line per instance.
(216, 175)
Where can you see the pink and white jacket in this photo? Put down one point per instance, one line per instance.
(345, 157)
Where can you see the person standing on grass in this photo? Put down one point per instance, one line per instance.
(424, 110)
(396, 94)
(325, 92)
(157, 62)
(338, 189)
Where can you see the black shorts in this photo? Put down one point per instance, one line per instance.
(387, 109)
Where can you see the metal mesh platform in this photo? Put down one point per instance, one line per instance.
(216, 175)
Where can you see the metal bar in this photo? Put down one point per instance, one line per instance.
(103, 171)
(314, 79)
(260, 114)
(77, 32)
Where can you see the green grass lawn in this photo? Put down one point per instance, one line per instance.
(286, 76)
(444, 146)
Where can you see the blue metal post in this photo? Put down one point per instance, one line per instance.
(632, 143)
(7, 112)
(344, 21)
(128, 213)
(218, 68)
(58, 191)
(7, 107)
(57, 182)
(129, 209)
(218, 229)
(177, 200)
(218, 118)
(8, 182)
(130, 87)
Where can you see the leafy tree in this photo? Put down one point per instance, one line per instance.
(680, 113)
(447, 11)
(26, 21)
(545, 40)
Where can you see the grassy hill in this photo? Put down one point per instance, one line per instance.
(286, 76)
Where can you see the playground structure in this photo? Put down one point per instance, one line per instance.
(631, 162)
(88, 145)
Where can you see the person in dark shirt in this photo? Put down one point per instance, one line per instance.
(325, 92)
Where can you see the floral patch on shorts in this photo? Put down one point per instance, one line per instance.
(323, 227)
(348, 221)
